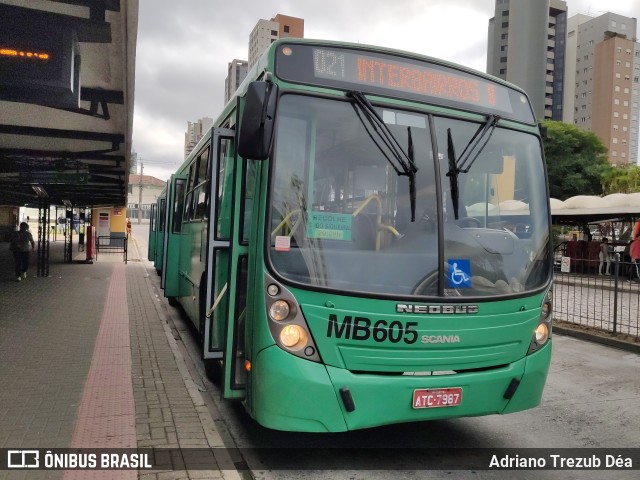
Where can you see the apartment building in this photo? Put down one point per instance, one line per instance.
(237, 71)
(268, 31)
(526, 47)
(603, 81)
(583, 70)
(195, 131)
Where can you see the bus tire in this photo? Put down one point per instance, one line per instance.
(172, 301)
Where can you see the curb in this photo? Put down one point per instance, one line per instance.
(603, 340)
(226, 464)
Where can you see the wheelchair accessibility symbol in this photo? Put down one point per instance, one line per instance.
(459, 273)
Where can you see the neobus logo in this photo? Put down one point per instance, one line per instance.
(437, 309)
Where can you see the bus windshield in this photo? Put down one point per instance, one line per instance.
(341, 207)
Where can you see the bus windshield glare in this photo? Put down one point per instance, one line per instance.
(340, 209)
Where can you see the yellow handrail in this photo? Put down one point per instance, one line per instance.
(366, 202)
(285, 220)
(379, 225)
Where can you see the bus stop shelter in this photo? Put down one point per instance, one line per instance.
(66, 106)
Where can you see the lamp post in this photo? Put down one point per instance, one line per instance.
(140, 194)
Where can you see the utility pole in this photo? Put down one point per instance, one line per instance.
(140, 194)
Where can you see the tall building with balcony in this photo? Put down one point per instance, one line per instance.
(268, 31)
(526, 47)
(237, 70)
(603, 81)
(195, 131)
(263, 34)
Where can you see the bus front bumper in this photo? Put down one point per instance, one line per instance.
(298, 395)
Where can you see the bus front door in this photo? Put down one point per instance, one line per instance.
(226, 270)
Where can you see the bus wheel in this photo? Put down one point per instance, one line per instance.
(213, 369)
(172, 301)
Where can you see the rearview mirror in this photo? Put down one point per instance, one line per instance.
(257, 122)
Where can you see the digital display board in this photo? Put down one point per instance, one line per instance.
(401, 77)
(24, 54)
(40, 66)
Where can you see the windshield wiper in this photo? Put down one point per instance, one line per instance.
(453, 173)
(402, 162)
(468, 156)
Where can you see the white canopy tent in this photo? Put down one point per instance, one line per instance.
(588, 209)
(579, 210)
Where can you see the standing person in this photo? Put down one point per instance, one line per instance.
(634, 251)
(605, 257)
(626, 260)
(128, 227)
(21, 243)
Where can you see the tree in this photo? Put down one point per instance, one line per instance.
(622, 179)
(576, 159)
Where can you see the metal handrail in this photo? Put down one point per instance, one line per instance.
(111, 244)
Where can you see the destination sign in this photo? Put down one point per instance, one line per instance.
(402, 77)
(21, 53)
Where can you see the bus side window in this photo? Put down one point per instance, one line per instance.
(178, 206)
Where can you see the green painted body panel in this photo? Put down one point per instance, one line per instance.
(191, 267)
(499, 334)
(153, 233)
(160, 233)
(173, 245)
(157, 261)
(294, 394)
(529, 393)
(299, 395)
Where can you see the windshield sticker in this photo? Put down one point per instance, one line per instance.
(334, 226)
(459, 275)
(283, 243)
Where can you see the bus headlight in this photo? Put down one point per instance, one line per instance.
(279, 310)
(293, 337)
(542, 332)
(286, 321)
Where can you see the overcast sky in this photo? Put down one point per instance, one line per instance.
(184, 47)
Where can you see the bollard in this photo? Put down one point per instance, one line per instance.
(89, 245)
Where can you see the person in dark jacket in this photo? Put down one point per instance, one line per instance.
(21, 244)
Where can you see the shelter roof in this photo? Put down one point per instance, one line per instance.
(586, 209)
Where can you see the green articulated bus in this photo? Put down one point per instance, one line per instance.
(363, 238)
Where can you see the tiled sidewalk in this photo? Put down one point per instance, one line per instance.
(87, 360)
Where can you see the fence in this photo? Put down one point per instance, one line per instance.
(606, 302)
(112, 245)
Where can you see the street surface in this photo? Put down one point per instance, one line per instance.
(591, 400)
